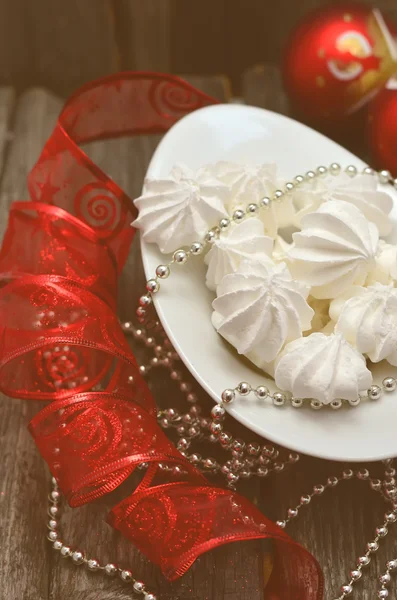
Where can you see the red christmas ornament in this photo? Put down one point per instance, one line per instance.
(336, 59)
(382, 128)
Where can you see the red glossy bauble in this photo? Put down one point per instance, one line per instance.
(382, 128)
(336, 59)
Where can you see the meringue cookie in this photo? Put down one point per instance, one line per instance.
(361, 191)
(243, 241)
(335, 249)
(368, 321)
(324, 367)
(177, 211)
(259, 309)
(385, 268)
(251, 183)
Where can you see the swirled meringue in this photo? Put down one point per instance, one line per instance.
(368, 320)
(335, 249)
(177, 211)
(385, 267)
(259, 309)
(324, 367)
(361, 191)
(243, 241)
(250, 183)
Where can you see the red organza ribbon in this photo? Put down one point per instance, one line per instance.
(60, 340)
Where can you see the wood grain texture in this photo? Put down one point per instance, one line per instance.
(55, 43)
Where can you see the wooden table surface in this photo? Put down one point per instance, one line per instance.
(335, 528)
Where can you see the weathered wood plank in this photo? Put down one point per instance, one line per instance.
(24, 560)
(55, 43)
(262, 86)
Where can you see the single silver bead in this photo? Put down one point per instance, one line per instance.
(232, 478)
(310, 175)
(238, 215)
(292, 513)
(321, 171)
(93, 564)
(54, 496)
(180, 257)
(126, 576)
(391, 517)
(316, 404)
(245, 474)
(218, 412)
(262, 472)
(355, 574)
(145, 300)
(347, 474)
(216, 428)
(66, 551)
(53, 510)
(392, 565)
(297, 402)
(381, 531)
(78, 557)
(390, 472)
(238, 446)
(293, 457)
(196, 248)
(347, 589)
(363, 474)
(111, 569)
(376, 485)
(383, 594)
(57, 545)
(332, 481)
(351, 170)
(228, 396)
(334, 168)
(209, 463)
(192, 398)
(318, 489)
(211, 235)
(281, 524)
(52, 536)
(289, 186)
(368, 171)
(336, 404)
(244, 388)
(52, 524)
(261, 392)
(278, 399)
(278, 467)
(374, 392)
(252, 208)
(224, 223)
(384, 176)
(299, 179)
(163, 271)
(278, 195)
(253, 449)
(183, 444)
(355, 401)
(372, 546)
(364, 561)
(265, 202)
(305, 500)
(225, 438)
(138, 587)
(150, 597)
(389, 384)
(195, 458)
(152, 286)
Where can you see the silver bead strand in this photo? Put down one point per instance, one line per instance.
(92, 564)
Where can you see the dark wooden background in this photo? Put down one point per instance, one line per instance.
(47, 48)
(61, 44)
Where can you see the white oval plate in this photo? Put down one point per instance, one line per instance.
(247, 134)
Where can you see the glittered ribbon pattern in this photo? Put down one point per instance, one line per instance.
(60, 341)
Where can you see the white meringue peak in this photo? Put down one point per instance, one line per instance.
(324, 367)
(250, 183)
(385, 268)
(368, 320)
(361, 191)
(335, 249)
(178, 210)
(259, 309)
(242, 241)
